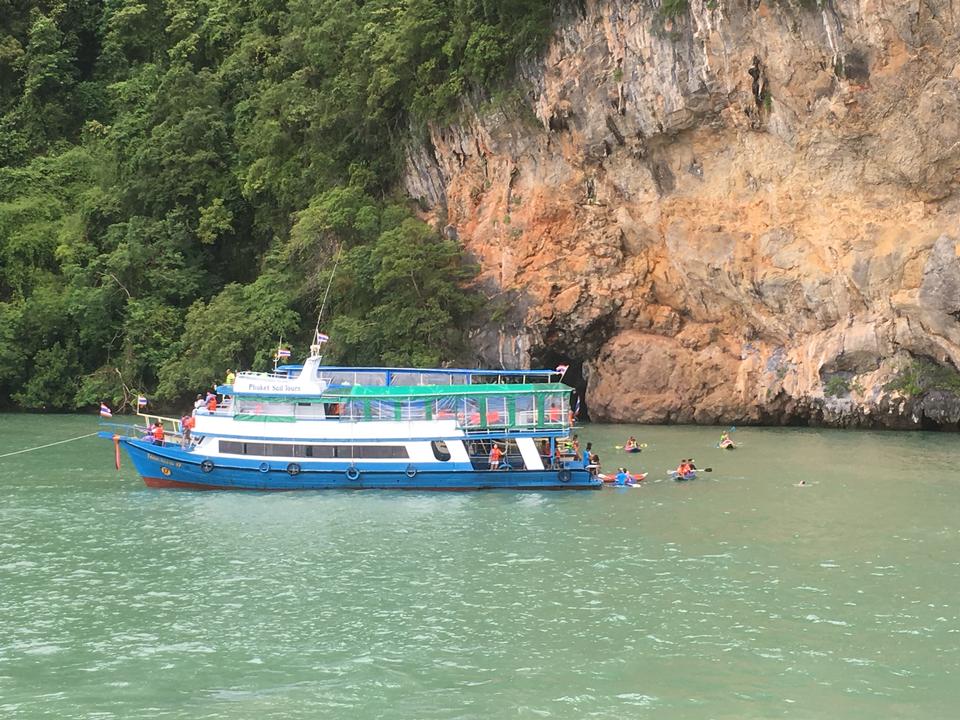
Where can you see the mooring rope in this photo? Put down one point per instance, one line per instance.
(40, 447)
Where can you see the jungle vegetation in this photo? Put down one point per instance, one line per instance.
(179, 177)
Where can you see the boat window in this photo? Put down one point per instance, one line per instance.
(278, 450)
(526, 415)
(497, 411)
(440, 450)
(383, 409)
(414, 410)
(373, 451)
(352, 410)
(314, 451)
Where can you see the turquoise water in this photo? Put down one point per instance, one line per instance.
(737, 595)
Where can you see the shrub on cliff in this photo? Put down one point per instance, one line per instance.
(923, 375)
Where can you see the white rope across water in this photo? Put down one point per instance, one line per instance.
(40, 447)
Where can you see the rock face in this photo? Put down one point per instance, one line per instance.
(746, 213)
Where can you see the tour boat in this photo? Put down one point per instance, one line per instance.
(313, 427)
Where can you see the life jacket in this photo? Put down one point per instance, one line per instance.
(212, 403)
(158, 433)
(495, 453)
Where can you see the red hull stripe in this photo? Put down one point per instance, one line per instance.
(165, 483)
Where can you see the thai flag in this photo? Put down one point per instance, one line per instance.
(321, 338)
(105, 411)
(141, 401)
(283, 352)
(562, 369)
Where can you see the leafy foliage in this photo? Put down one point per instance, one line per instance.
(837, 386)
(923, 375)
(177, 180)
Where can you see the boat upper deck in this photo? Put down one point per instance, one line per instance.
(478, 400)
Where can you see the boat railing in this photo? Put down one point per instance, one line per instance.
(437, 377)
(171, 437)
(469, 412)
(263, 375)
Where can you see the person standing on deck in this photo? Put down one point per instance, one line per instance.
(158, 433)
(495, 454)
(186, 425)
(231, 377)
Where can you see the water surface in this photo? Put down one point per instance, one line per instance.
(738, 595)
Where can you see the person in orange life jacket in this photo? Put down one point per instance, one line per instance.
(495, 454)
(211, 402)
(158, 433)
(553, 414)
(186, 425)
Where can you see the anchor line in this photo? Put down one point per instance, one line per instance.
(40, 447)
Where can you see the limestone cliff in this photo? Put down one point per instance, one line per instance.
(748, 212)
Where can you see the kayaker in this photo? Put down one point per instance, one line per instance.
(683, 468)
(725, 440)
(631, 444)
(623, 477)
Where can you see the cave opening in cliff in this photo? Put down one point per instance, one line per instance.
(573, 377)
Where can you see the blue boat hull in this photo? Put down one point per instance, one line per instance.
(171, 467)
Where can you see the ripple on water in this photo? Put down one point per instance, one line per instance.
(652, 604)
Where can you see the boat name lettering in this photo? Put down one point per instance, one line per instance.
(269, 387)
(164, 461)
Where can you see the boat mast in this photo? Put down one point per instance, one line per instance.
(318, 338)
